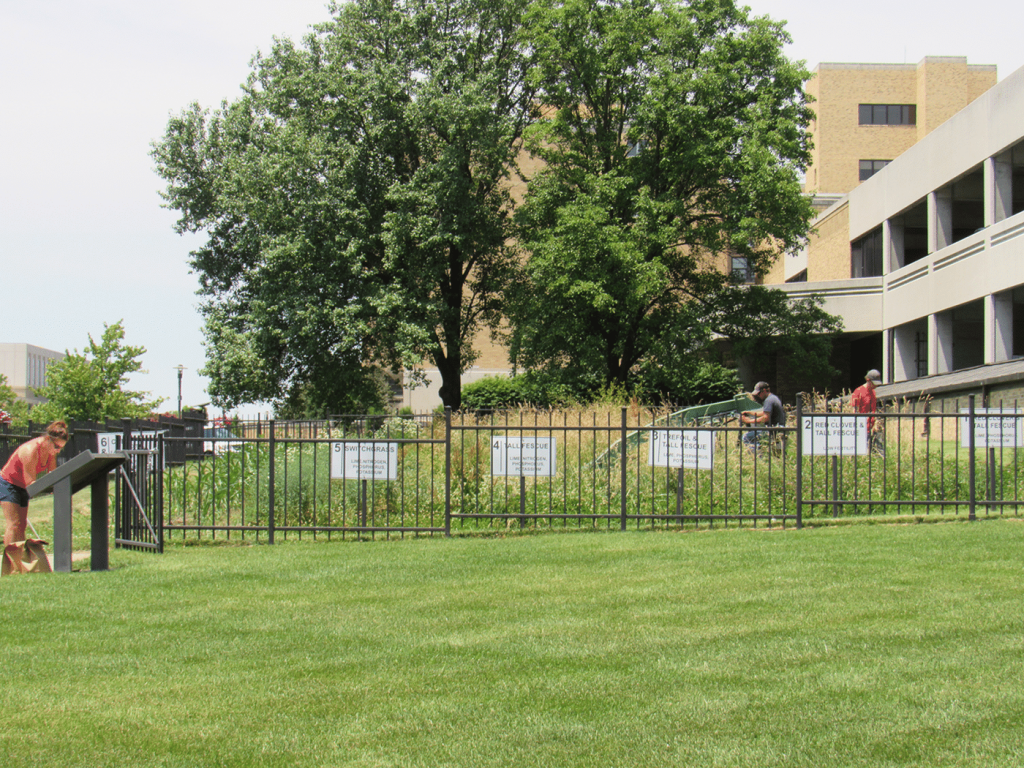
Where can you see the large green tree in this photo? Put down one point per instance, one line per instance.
(356, 200)
(12, 409)
(91, 384)
(674, 138)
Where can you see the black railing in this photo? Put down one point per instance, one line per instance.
(464, 474)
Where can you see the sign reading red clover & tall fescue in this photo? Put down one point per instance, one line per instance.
(524, 457)
(364, 460)
(834, 435)
(681, 449)
(993, 428)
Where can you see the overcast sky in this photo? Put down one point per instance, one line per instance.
(88, 85)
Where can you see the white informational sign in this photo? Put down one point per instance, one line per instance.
(364, 461)
(835, 435)
(110, 442)
(526, 456)
(993, 428)
(685, 448)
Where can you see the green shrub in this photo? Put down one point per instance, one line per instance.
(538, 389)
(703, 381)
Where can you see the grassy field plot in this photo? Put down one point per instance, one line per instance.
(881, 645)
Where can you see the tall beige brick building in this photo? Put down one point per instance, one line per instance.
(869, 114)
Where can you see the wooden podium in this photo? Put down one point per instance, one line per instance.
(86, 468)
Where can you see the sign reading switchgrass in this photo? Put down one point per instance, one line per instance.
(681, 448)
(364, 460)
(524, 456)
(834, 435)
(993, 428)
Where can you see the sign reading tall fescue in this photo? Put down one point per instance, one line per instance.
(364, 460)
(681, 448)
(835, 435)
(524, 456)
(993, 428)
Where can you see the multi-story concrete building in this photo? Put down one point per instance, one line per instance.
(24, 365)
(924, 258)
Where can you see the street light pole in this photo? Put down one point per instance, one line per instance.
(179, 368)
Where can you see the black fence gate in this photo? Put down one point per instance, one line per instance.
(138, 503)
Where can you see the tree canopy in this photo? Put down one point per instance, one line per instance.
(12, 409)
(673, 141)
(356, 201)
(90, 384)
(357, 196)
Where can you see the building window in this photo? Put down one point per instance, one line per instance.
(869, 168)
(887, 114)
(866, 255)
(634, 149)
(741, 269)
(799, 277)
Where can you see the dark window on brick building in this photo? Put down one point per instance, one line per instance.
(869, 168)
(887, 114)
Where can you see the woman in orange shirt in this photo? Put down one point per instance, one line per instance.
(28, 461)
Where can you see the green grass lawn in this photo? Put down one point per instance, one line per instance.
(881, 645)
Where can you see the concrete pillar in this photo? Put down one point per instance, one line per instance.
(940, 343)
(998, 172)
(904, 353)
(887, 355)
(998, 327)
(892, 244)
(940, 219)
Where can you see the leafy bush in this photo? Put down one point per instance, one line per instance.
(537, 389)
(703, 381)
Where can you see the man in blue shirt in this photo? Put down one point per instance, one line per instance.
(772, 414)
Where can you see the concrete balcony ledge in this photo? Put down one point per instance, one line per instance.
(858, 301)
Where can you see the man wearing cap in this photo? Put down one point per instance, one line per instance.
(772, 413)
(864, 400)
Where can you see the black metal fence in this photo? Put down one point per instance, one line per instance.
(619, 469)
(102, 436)
(627, 468)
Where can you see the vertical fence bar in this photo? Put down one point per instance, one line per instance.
(971, 470)
(125, 529)
(270, 486)
(447, 470)
(623, 473)
(799, 479)
(835, 486)
(158, 500)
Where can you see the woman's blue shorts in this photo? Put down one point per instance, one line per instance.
(13, 493)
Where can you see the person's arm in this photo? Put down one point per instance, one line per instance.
(754, 417)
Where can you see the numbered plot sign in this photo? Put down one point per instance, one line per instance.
(364, 460)
(527, 456)
(835, 435)
(685, 448)
(993, 428)
(108, 442)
